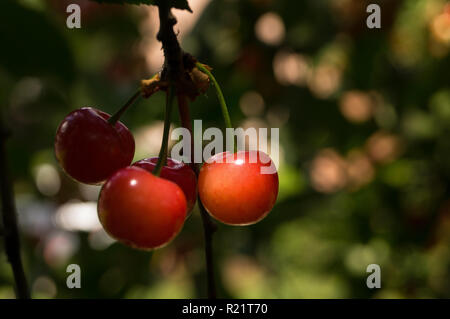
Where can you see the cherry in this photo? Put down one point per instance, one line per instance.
(177, 172)
(141, 210)
(235, 191)
(90, 149)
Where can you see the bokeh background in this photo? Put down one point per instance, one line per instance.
(364, 118)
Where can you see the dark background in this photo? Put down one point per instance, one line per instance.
(364, 121)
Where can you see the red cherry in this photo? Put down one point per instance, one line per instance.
(89, 149)
(240, 188)
(140, 209)
(177, 172)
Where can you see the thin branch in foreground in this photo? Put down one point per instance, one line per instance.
(9, 214)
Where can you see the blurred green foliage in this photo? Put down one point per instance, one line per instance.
(364, 119)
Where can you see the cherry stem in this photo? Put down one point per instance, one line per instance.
(116, 116)
(185, 119)
(10, 228)
(223, 104)
(209, 226)
(162, 157)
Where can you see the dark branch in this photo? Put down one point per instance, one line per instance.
(10, 229)
(173, 64)
(178, 65)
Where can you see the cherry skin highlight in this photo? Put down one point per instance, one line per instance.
(141, 210)
(239, 188)
(89, 149)
(177, 172)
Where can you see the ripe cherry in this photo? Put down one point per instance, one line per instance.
(177, 172)
(140, 209)
(237, 190)
(90, 149)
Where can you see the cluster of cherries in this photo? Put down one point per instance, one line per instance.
(146, 210)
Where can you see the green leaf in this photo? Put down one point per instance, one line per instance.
(178, 4)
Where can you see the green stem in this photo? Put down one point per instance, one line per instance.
(116, 116)
(223, 104)
(162, 158)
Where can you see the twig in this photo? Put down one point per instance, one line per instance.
(173, 62)
(11, 233)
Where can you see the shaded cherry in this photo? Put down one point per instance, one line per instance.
(177, 172)
(90, 149)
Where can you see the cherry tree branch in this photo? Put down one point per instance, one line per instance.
(9, 214)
